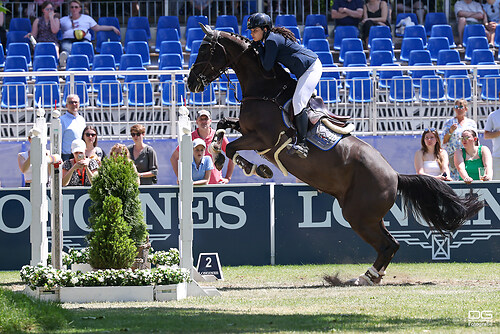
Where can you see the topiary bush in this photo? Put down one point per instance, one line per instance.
(111, 246)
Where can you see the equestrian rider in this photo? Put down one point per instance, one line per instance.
(280, 45)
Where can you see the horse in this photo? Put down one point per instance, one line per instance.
(356, 174)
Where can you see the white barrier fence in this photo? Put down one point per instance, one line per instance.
(378, 103)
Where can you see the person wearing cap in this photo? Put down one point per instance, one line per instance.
(79, 170)
(202, 164)
(206, 133)
(279, 45)
(472, 158)
(72, 124)
(75, 28)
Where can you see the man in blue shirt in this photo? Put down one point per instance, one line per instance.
(347, 12)
(72, 125)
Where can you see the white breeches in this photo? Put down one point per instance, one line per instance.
(306, 85)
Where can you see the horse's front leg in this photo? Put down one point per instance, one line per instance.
(216, 145)
(248, 142)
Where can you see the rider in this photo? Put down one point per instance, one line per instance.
(280, 45)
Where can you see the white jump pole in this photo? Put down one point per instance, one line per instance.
(56, 191)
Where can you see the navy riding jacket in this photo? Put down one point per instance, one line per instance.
(291, 54)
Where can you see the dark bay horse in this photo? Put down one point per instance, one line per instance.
(356, 174)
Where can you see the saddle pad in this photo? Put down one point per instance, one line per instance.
(322, 137)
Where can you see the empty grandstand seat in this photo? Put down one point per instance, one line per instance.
(419, 56)
(377, 58)
(402, 16)
(80, 89)
(46, 78)
(44, 62)
(284, 20)
(169, 22)
(180, 92)
(20, 49)
(342, 32)
(385, 76)
(436, 44)
(171, 47)
(328, 90)
(223, 82)
(417, 75)
(475, 43)
(382, 44)
(46, 94)
(105, 36)
(16, 63)
(172, 60)
(98, 79)
(14, 95)
(77, 61)
(227, 21)
(401, 89)
(207, 97)
(194, 34)
(410, 44)
(491, 87)
(104, 60)
(140, 93)
(325, 57)
(481, 56)
(350, 44)
(354, 58)
(416, 31)
(193, 22)
(164, 35)
(140, 48)
(83, 48)
(432, 19)
(130, 60)
(448, 72)
(80, 78)
(113, 48)
(135, 35)
(360, 90)
(473, 30)
(458, 87)
(447, 56)
(110, 94)
(45, 49)
(349, 75)
(244, 24)
(319, 45)
(139, 22)
(226, 29)
(496, 42)
(318, 20)
(192, 59)
(129, 78)
(444, 30)
(16, 37)
(296, 32)
(11, 79)
(379, 32)
(2, 56)
(313, 32)
(331, 75)
(20, 24)
(231, 99)
(195, 47)
(482, 73)
(432, 88)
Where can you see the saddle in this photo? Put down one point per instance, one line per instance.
(317, 110)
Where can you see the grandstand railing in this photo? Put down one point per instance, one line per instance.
(373, 112)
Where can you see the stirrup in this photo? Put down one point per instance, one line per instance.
(300, 149)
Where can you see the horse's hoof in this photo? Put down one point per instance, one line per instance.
(219, 161)
(264, 172)
(362, 280)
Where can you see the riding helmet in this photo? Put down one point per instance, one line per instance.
(260, 20)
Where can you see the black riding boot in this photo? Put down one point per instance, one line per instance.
(301, 123)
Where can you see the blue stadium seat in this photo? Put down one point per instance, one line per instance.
(350, 75)
(319, 45)
(172, 60)
(436, 44)
(169, 22)
(350, 44)
(45, 62)
(326, 58)
(110, 94)
(46, 94)
(382, 44)
(109, 21)
(231, 99)
(296, 33)
(473, 30)
(475, 43)
(432, 88)
(16, 63)
(13, 79)
(80, 78)
(140, 93)
(419, 56)
(354, 58)
(13, 96)
(481, 56)
(491, 87)
(227, 21)
(482, 73)
(444, 30)
(342, 32)
(20, 24)
(130, 60)
(285, 20)
(401, 89)
(139, 22)
(379, 32)
(496, 42)
(2, 56)
(328, 90)
(449, 72)
(192, 59)
(432, 19)
(205, 98)
(195, 47)
(223, 82)
(447, 56)
(458, 87)
(416, 31)
(377, 58)
(313, 32)
(104, 60)
(417, 75)
(194, 34)
(80, 89)
(194, 22)
(385, 76)
(16, 37)
(45, 49)
(97, 80)
(318, 20)
(164, 35)
(140, 48)
(20, 49)
(135, 35)
(410, 44)
(105, 36)
(180, 92)
(244, 24)
(226, 29)
(402, 16)
(361, 90)
(129, 78)
(83, 48)
(77, 61)
(113, 48)
(171, 47)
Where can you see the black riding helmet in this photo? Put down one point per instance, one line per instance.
(260, 20)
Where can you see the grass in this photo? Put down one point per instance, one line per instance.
(433, 298)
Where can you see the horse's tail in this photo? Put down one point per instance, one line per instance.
(436, 202)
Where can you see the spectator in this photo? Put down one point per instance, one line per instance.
(468, 12)
(46, 27)
(143, 156)
(374, 14)
(202, 164)
(472, 157)
(347, 12)
(492, 10)
(205, 132)
(79, 170)
(417, 6)
(492, 131)
(75, 28)
(24, 162)
(72, 125)
(431, 159)
(452, 133)
(120, 149)
(92, 151)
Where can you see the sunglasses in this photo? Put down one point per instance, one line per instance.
(73, 102)
(459, 107)
(91, 134)
(429, 129)
(133, 134)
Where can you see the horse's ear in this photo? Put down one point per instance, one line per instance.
(206, 29)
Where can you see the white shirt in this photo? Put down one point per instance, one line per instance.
(492, 125)
(84, 22)
(72, 128)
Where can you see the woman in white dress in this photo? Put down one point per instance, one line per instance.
(431, 159)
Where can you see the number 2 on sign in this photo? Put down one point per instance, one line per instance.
(209, 262)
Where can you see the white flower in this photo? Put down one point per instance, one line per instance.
(74, 280)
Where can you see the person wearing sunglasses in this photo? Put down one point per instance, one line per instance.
(431, 159)
(473, 161)
(92, 151)
(72, 124)
(492, 10)
(46, 27)
(143, 156)
(452, 133)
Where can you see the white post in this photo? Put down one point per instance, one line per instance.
(38, 191)
(56, 191)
